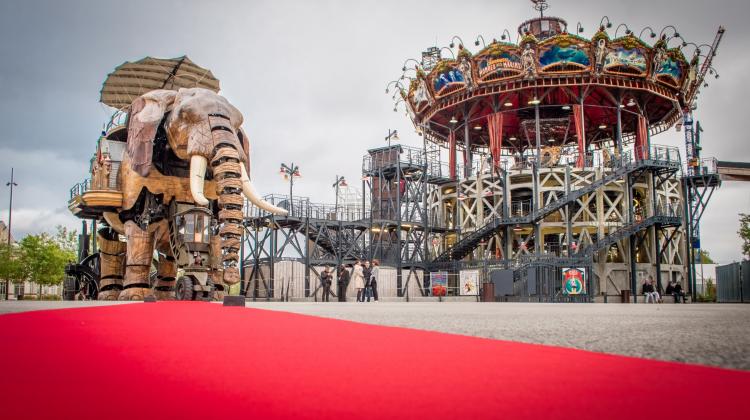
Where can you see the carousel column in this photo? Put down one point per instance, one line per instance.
(467, 148)
(657, 248)
(632, 238)
(619, 130)
(568, 218)
(508, 238)
(535, 180)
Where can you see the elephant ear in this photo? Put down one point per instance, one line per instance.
(245, 148)
(146, 114)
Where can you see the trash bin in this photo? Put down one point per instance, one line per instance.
(488, 292)
(625, 296)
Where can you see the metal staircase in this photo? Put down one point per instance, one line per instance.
(628, 230)
(469, 242)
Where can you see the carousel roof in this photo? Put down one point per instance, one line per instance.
(555, 69)
(132, 79)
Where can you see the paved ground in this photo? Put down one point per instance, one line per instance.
(717, 335)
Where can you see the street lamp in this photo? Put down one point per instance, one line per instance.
(289, 172)
(340, 182)
(10, 184)
(392, 135)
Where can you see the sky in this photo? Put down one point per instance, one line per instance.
(309, 77)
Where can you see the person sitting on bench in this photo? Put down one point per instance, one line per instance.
(677, 293)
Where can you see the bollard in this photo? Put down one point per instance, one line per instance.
(234, 301)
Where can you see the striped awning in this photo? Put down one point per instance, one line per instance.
(132, 79)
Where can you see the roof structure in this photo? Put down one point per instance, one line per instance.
(132, 79)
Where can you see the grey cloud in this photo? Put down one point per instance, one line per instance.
(309, 78)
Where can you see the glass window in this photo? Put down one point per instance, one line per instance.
(189, 227)
(206, 227)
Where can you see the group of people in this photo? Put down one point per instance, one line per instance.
(364, 274)
(650, 290)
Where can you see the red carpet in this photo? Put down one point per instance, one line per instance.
(200, 360)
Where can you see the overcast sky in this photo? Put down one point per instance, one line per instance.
(310, 78)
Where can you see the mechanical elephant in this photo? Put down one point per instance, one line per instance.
(183, 147)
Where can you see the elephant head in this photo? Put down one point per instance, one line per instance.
(203, 128)
(200, 123)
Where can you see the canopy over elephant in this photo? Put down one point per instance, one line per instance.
(184, 147)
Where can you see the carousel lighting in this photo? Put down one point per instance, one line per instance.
(603, 126)
(477, 127)
(512, 139)
(631, 102)
(453, 120)
(622, 106)
(551, 140)
(508, 104)
(566, 108)
(535, 101)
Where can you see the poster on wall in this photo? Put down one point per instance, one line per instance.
(574, 281)
(469, 282)
(439, 283)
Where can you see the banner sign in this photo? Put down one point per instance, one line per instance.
(439, 283)
(469, 282)
(574, 281)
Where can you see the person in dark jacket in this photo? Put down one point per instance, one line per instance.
(367, 271)
(343, 282)
(325, 281)
(678, 293)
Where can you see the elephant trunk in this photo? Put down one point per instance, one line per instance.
(227, 173)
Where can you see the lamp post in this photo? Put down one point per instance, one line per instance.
(392, 135)
(10, 184)
(340, 182)
(289, 172)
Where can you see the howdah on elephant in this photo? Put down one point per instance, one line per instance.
(185, 150)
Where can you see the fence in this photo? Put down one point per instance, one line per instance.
(733, 282)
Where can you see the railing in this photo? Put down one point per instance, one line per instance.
(302, 207)
(703, 166)
(80, 188)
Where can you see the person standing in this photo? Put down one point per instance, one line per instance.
(359, 281)
(343, 282)
(374, 279)
(367, 272)
(325, 281)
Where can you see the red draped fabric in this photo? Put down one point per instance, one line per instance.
(641, 139)
(581, 134)
(495, 126)
(452, 153)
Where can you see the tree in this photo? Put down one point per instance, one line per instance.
(744, 233)
(43, 257)
(703, 257)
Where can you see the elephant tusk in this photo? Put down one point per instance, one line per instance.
(252, 195)
(198, 178)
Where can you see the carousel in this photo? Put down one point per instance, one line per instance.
(551, 148)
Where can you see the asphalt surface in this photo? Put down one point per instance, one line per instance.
(709, 334)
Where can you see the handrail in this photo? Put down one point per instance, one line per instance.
(658, 156)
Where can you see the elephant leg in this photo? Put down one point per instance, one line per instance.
(217, 273)
(165, 278)
(138, 263)
(166, 271)
(226, 168)
(111, 259)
